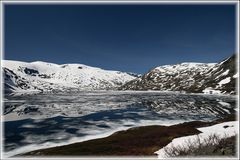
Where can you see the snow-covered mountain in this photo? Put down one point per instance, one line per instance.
(189, 77)
(41, 76)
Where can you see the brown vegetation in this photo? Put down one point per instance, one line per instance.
(136, 141)
(209, 146)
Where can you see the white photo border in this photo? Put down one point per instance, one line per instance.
(90, 2)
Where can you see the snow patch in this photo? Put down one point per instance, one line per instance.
(226, 129)
(225, 73)
(236, 75)
(209, 90)
(224, 81)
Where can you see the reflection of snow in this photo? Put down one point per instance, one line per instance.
(83, 103)
(224, 104)
(53, 119)
(223, 130)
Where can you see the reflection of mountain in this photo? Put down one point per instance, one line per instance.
(74, 105)
(189, 77)
(58, 118)
(42, 76)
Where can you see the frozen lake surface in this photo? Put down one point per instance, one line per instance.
(37, 121)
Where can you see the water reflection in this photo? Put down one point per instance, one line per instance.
(57, 118)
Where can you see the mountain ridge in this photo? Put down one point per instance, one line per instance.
(49, 77)
(189, 77)
(183, 77)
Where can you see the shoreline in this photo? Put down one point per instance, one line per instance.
(118, 91)
(136, 141)
(33, 147)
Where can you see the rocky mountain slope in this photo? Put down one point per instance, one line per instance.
(42, 76)
(189, 77)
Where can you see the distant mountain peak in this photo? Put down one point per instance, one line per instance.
(189, 77)
(47, 77)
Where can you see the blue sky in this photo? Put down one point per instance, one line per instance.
(132, 38)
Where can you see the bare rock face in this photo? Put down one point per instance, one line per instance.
(189, 77)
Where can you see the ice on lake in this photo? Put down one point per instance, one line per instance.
(36, 121)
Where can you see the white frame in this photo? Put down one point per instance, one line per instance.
(3, 2)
